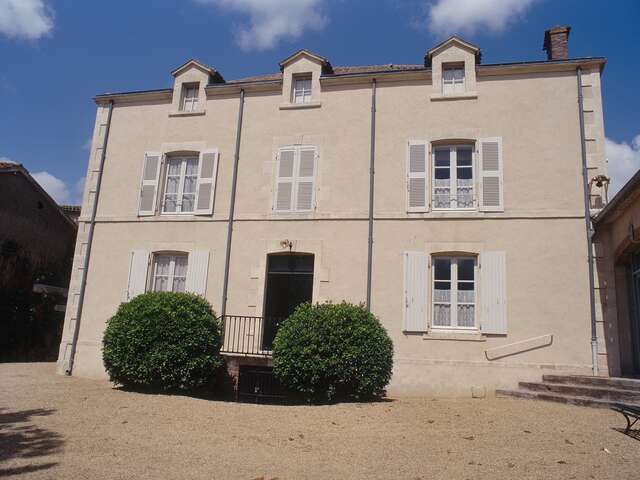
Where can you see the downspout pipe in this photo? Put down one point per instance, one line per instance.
(371, 190)
(234, 181)
(589, 229)
(85, 266)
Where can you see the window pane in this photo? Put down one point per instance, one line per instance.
(190, 184)
(161, 284)
(178, 284)
(442, 157)
(188, 201)
(441, 315)
(466, 268)
(464, 173)
(464, 156)
(163, 263)
(170, 203)
(458, 74)
(192, 166)
(180, 269)
(466, 315)
(172, 185)
(174, 167)
(442, 269)
(447, 74)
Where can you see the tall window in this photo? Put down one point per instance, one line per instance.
(180, 185)
(454, 292)
(169, 272)
(190, 97)
(295, 180)
(453, 177)
(302, 89)
(453, 80)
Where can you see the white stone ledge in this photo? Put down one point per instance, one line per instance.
(300, 106)
(187, 114)
(435, 97)
(466, 336)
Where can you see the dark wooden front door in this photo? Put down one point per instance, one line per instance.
(289, 283)
(634, 317)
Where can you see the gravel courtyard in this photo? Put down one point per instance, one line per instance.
(58, 427)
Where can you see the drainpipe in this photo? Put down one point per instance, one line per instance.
(236, 160)
(589, 230)
(371, 185)
(92, 224)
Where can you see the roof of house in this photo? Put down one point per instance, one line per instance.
(17, 168)
(628, 193)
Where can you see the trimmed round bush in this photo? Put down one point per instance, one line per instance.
(328, 352)
(163, 341)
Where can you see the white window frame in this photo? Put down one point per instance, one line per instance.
(453, 177)
(300, 93)
(190, 104)
(183, 169)
(450, 84)
(172, 268)
(296, 179)
(453, 301)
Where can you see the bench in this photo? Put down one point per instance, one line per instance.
(631, 414)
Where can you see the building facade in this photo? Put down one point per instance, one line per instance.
(447, 194)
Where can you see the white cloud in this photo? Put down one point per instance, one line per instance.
(446, 17)
(53, 186)
(78, 190)
(29, 19)
(624, 161)
(273, 20)
(7, 160)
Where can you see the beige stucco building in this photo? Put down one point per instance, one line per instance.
(458, 185)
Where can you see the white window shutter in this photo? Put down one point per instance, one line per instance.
(491, 181)
(415, 292)
(418, 176)
(493, 293)
(149, 184)
(283, 201)
(138, 270)
(207, 170)
(197, 269)
(305, 184)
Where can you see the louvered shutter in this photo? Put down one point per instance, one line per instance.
(491, 187)
(149, 184)
(207, 169)
(197, 269)
(284, 182)
(493, 293)
(417, 176)
(415, 292)
(138, 271)
(305, 180)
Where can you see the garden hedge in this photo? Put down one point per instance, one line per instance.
(163, 341)
(329, 352)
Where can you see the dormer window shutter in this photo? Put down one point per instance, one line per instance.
(491, 176)
(418, 176)
(284, 180)
(305, 184)
(149, 184)
(207, 171)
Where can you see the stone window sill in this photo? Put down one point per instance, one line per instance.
(462, 96)
(300, 106)
(187, 114)
(466, 336)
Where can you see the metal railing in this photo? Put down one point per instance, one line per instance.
(248, 335)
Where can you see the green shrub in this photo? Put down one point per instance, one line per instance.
(327, 352)
(163, 341)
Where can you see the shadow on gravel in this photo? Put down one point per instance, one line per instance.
(21, 439)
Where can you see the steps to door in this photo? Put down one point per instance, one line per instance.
(580, 390)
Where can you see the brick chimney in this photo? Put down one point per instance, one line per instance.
(556, 43)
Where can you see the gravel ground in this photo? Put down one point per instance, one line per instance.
(58, 427)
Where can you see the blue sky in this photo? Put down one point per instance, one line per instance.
(57, 54)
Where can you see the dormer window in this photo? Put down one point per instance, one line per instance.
(190, 97)
(301, 89)
(453, 79)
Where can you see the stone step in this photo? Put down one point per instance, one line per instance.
(588, 391)
(561, 398)
(613, 382)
